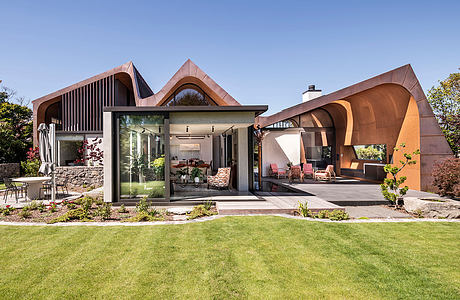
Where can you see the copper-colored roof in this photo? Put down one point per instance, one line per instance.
(189, 72)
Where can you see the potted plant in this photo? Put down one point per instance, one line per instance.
(182, 174)
(196, 173)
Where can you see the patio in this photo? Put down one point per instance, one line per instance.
(345, 191)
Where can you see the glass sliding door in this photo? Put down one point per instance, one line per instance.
(141, 156)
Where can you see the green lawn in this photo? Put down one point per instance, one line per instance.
(233, 257)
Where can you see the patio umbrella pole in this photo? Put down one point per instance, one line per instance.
(52, 137)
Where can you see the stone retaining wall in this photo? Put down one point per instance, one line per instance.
(9, 170)
(81, 177)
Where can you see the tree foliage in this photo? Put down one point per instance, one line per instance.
(15, 127)
(391, 186)
(445, 101)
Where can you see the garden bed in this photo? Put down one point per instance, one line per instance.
(88, 209)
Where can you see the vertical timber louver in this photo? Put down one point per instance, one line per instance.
(82, 108)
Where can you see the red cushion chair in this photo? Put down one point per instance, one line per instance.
(308, 170)
(275, 171)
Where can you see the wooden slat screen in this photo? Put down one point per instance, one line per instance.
(82, 108)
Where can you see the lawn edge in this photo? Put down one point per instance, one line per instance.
(210, 218)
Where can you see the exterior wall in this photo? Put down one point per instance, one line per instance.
(9, 170)
(107, 148)
(242, 160)
(81, 177)
(281, 147)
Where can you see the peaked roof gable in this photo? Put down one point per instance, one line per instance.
(189, 72)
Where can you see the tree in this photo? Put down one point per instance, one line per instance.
(15, 127)
(391, 186)
(445, 101)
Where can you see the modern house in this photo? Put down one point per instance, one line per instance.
(150, 140)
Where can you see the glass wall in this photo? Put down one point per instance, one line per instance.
(141, 156)
(319, 148)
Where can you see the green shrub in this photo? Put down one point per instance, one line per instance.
(52, 207)
(338, 215)
(99, 201)
(144, 217)
(41, 207)
(30, 168)
(199, 211)
(335, 215)
(123, 209)
(143, 206)
(104, 211)
(34, 205)
(322, 214)
(71, 205)
(87, 203)
(208, 204)
(74, 214)
(7, 210)
(303, 209)
(25, 213)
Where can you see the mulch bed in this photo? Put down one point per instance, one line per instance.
(46, 216)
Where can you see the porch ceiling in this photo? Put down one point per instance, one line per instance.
(199, 129)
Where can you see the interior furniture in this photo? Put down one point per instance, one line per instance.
(221, 179)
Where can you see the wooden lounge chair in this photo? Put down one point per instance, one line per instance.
(308, 170)
(295, 173)
(275, 171)
(221, 180)
(327, 174)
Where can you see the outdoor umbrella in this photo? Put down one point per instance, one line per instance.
(44, 148)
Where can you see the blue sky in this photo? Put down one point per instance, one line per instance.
(261, 52)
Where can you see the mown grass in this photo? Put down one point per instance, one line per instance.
(233, 257)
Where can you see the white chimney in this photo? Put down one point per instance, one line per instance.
(311, 93)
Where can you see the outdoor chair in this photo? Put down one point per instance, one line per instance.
(327, 174)
(14, 190)
(46, 189)
(308, 170)
(221, 179)
(275, 171)
(295, 173)
(63, 186)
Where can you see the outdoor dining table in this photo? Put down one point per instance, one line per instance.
(33, 185)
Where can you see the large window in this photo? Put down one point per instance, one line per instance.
(142, 162)
(376, 152)
(189, 95)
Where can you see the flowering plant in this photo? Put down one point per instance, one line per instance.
(52, 207)
(33, 154)
(91, 152)
(7, 210)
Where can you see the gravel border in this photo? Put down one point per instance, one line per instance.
(204, 219)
